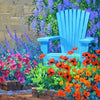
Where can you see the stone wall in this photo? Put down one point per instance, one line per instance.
(13, 14)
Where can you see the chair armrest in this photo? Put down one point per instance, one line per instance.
(87, 40)
(47, 39)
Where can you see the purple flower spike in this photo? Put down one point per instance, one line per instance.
(34, 25)
(59, 6)
(96, 40)
(88, 1)
(88, 33)
(36, 12)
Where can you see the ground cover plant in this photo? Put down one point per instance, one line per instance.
(70, 78)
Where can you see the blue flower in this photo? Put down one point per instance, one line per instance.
(88, 32)
(50, 3)
(94, 2)
(88, 1)
(96, 40)
(36, 12)
(42, 26)
(98, 25)
(67, 2)
(88, 10)
(49, 27)
(34, 25)
(99, 10)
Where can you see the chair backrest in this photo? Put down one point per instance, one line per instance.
(72, 25)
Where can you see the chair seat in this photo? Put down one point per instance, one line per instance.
(57, 55)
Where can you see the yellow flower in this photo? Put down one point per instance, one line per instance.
(61, 82)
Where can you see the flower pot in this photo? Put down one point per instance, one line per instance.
(47, 95)
(13, 85)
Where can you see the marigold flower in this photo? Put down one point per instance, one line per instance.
(61, 82)
(83, 98)
(93, 69)
(70, 52)
(97, 78)
(66, 67)
(88, 73)
(93, 56)
(98, 51)
(77, 86)
(95, 87)
(98, 93)
(76, 77)
(77, 94)
(82, 79)
(51, 72)
(67, 76)
(68, 90)
(86, 62)
(60, 65)
(61, 93)
(68, 85)
(74, 48)
(98, 67)
(87, 83)
(86, 54)
(86, 94)
(85, 69)
(80, 72)
(41, 56)
(51, 61)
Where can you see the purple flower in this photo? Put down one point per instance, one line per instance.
(49, 27)
(42, 26)
(94, 2)
(33, 25)
(36, 12)
(21, 79)
(96, 40)
(88, 32)
(50, 3)
(75, 6)
(88, 1)
(93, 15)
(38, 5)
(99, 10)
(93, 30)
(51, 10)
(78, 1)
(21, 42)
(67, 2)
(88, 10)
(59, 6)
(98, 25)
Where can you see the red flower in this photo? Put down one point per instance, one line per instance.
(74, 48)
(8, 57)
(95, 87)
(95, 63)
(65, 58)
(51, 72)
(35, 63)
(70, 52)
(5, 73)
(86, 94)
(51, 61)
(41, 56)
(60, 65)
(98, 92)
(93, 56)
(86, 54)
(17, 73)
(13, 67)
(98, 51)
(26, 61)
(2, 79)
(87, 61)
(66, 67)
(67, 76)
(61, 57)
(60, 73)
(19, 65)
(61, 93)
(73, 61)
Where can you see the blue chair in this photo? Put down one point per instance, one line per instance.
(72, 25)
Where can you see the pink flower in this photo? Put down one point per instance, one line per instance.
(26, 71)
(27, 55)
(13, 67)
(13, 55)
(2, 79)
(35, 63)
(17, 73)
(19, 65)
(2, 56)
(26, 61)
(8, 57)
(5, 73)
(8, 50)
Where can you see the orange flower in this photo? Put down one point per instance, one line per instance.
(93, 69)
(61, 93)
(41, 56)
(85, 68)
(87, 83)
(66, 67)
(65, 58)
(86, 54)
(67, 76)
(82, 79)
(98, 67)
(60, 65)
(74, 70)
(98, 51)
(60, 73)
(74, 48)
(88, 73)
(61, 57)
(95, 63)
(77, 94)
(68, 85)
(93, 56)
(61, 82)
(77, 86)
(86, 94)
(51, 72)
(80, 72)
(83, 98)
(70, 52)
(76, 77)
(86, 62)
(97, 78)
(51, 61)
(68, 90)
(73, 61)
(98, 92)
